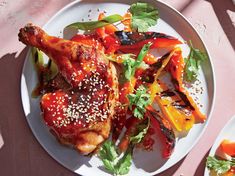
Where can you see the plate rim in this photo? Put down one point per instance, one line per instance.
(211, 109)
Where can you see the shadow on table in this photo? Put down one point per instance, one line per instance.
(10, 104)
(172, 169)
(19, 143)
(1, 140)
(201, 168)
(185, 6)
(13, 126)
(220, 9)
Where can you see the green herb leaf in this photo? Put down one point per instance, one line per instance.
(52, 70)
(130, 65)
(96, 24)
(142, 131)
(109, 165)
(108, 151)
(219, 166)
(142, 54)
(48, 70)
(112, 161)
(195, 58)
(143, 16)
(37, 57)
(123, 165)
(140, 99)
(45, 72)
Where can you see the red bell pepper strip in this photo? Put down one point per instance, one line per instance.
(130, 124)
(171, 104)
(132, 41)
(167, 135)
(176, 69)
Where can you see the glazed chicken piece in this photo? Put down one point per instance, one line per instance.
(79, 103)
(74, 59)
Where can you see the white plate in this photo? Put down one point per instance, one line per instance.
(145, 163)
(226, 133)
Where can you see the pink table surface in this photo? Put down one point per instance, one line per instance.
(22, 155)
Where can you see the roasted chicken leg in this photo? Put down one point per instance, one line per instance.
(78, 111)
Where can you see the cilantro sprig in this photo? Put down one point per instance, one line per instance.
(143, 16)
(194, 60)
(140, 100)
(113, 162)
(119, 164)
(130, 65)
(219, 166)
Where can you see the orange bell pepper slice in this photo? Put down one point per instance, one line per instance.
(127, 22)
(179, 114)
(108, 29)
(176, 69)
(158, 68)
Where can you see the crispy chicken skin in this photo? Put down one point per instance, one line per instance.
(74, 60)
(79, 103)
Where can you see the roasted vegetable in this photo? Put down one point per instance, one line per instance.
(106, 34)
(138, 127)
(166, 132)
(151, 74)
(174, 109)
(133, 41)
(126, 89)
(131, 131)
(176, 67)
